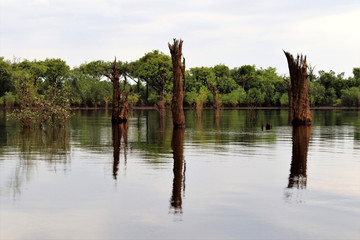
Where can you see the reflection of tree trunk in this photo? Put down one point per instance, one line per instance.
(179, 169)
(116, 145)
(199, 109)
(124, 134)
(216, 120)
(301, 137)
(119, 130)
(300, 98)
(179, 88)
(161, 120)
(217, 113)
(216, 101)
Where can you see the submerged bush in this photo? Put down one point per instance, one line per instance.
(52, 108)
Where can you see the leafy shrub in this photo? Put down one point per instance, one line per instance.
(351, 97)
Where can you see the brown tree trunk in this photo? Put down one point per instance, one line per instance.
(300, 97)
(114, 76)
(161, 103)
(177, 144)
(216, 101)
(124, 106)
(120, 107)
(301, 137)
(179, 88)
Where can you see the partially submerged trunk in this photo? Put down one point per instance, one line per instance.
(120, 106)
(216, 101)
(179, 87)
(300, 103)
(177, 145)
(114, 76)
(160, 105)
(300, 143)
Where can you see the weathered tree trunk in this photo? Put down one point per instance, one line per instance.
(301, 137)
(177, 144)
(120, 107)
(300, 97)
(216, 101)
(179, 88)
(160, 105)
(124, 105)
(114, 76)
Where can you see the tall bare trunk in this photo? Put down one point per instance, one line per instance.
(114, 76)
(120, 106)
(300, 97)
(179, 88)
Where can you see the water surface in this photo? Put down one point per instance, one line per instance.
(220, 178)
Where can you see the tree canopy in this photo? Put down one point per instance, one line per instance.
(151, 77)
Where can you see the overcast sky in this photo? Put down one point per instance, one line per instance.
(230, 32)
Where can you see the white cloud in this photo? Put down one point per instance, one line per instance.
(227, 31)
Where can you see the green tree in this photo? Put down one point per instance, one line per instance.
(316, 93)
(208, 78)
(351, 97)
(6, 84)
(94, 69)
(284, 99)
(56, 71)
(235, 98)
(243, 75)
(9, 99)
(255, 97)
(155, 69)
(356, 72)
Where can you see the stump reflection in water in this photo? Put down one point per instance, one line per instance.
(177, 145)
(301, 137)
(119, 130)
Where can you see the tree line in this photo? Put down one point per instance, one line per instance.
(52, 82)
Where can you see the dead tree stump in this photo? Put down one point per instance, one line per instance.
(120, 106)
(179, 87)
(300, 97)
(114, 76)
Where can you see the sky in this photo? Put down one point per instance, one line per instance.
(230, 32)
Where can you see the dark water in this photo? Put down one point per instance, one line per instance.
(221, 178)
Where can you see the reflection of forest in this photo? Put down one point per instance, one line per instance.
(301, 137)
(34, 146)
(177, 145)
(150, 136)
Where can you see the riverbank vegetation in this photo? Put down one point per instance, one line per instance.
(52, 87)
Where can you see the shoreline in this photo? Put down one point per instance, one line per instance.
(224, 108)
(209, 108)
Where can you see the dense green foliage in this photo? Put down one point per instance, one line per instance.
(28, 83)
